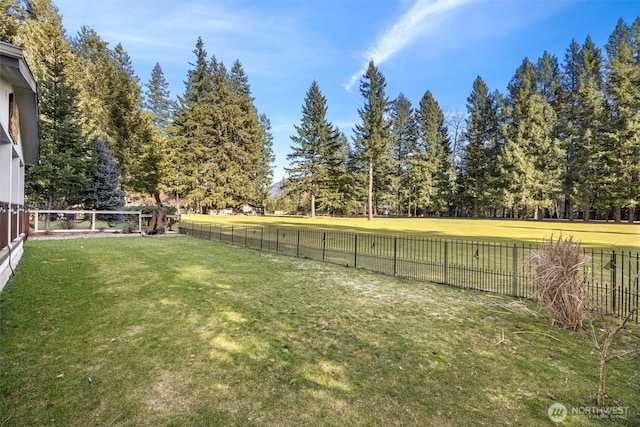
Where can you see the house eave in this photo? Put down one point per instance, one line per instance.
(14, 69)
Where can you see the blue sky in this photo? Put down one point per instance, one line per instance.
(283, 45)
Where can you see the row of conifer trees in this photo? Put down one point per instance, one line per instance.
(564, 141)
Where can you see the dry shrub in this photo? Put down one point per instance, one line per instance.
(560, 290)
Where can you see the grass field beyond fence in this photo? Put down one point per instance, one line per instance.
(611, 277)
(595, 234)
(182, 331)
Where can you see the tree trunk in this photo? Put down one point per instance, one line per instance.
(601, 383)
(313, 204)
(617, 213)
(587, 210)
(370, 195)
(570, 210)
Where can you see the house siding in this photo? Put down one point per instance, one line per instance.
(19, 145)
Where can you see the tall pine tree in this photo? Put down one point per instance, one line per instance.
(621, 157)
(263, 169)
(580, 120)
(402, 143)
(371, 136)
(61, 178)
(191, 133)
(93, 68)
(157, 101)
(476, 157)
(438, 183)
(530, 160)
(314, 142)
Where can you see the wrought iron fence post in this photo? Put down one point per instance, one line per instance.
(355, 250)
(298, 245)
(261, 237)
(324, 244)
(514, 278)
(246, 232)
(395, 255)
(613, 269)
(637, 280)
(446, 262)
(277, 240)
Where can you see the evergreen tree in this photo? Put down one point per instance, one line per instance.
(123, 110)
(191, 133)
(580, 120)
(149, 165)
(111, 106)
(221, 149)
(549, 79)
(402, 143)
(621, 154)
(530, 162)
(476, 157)
(104, 192)
(247, 137)
(153, 163)
(157, 100)
(93, 69)
(315, 139)
(456, 125)
(372, 135)
(61, 178)
(226, 168)
(263, 170)
(497, 143)
(568, 124)
(338, 195)
(437, 187)
(9, 20)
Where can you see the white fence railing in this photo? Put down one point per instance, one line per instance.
(91, 221)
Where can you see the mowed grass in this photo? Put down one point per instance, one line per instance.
(599, 235)
(186, 332)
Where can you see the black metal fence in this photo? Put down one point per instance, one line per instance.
(611, 277)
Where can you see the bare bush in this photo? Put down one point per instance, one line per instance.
(561, 291)
(602, 339)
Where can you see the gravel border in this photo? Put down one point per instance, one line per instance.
(91, 235)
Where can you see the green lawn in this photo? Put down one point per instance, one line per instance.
(180, 331)
(598, 235)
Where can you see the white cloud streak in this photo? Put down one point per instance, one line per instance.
(414, 23)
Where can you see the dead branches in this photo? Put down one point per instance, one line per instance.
(560, 289)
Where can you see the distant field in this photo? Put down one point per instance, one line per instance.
(594, 234)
